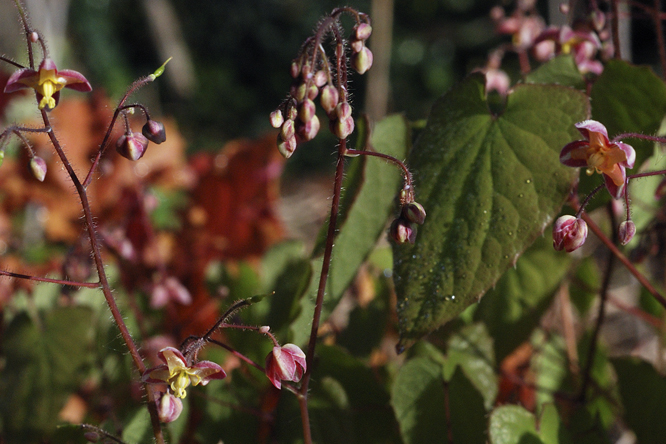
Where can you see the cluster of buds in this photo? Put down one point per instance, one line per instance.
(314, 77)
(403, 229)
(132, 145)
(361, 56)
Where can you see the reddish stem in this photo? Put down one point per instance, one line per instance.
(621, 257)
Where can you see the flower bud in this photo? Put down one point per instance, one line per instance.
(34, 37)
(414, 212)
(169, 408)
(38, 167)
(287, 131)
(154, 131)
(306, 111)
(363, 31)
(299, 93)
(91, 436)
(294, 70)
(292, 113)
(286, 146)
(343, 110)
(403, 231)
(320, 78)
(329, 98)
(569, 233)
(309, 129)
(277, 118)
(286, 363)
(264, 329)
(357, 46)
(132, 146)
(313, 91)
(343, 128)
(626, 231)
(362, 61)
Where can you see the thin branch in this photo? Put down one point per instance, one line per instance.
(621, 257)
(603, 294)
(52, 281)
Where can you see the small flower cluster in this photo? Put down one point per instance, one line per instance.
(403, 229)
(610, 159)
(314, 76)
(132, 145)
(589, 41)
(47, 82)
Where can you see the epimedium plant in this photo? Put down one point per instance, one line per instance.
(480, 275)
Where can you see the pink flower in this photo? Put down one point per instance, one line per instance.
(47, 82)
(285, 363)
(178, 374)
(598, 154)
(583, 45)
(569, 233)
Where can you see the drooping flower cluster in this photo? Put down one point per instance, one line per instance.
(132, 145)
(588, 40)
(403, 229)
(610, 159)
(314, 75)
(583, 45)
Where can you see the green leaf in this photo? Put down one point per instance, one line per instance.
(626, 99)
(420, 403)
(138, 429)
(418, 400)
(364, 222)
(511, 424)
(43, 366)
(471, 349)
(491, 185)
(522, 295)
(561, 70)
(347, 402)
(643, 393)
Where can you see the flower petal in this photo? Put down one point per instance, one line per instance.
(617, 191)
(574, 154)
(172, 357)
(23, 78)
(630, 152)
(206, 371)
(592, 126)
(75, 80)
(156, 375)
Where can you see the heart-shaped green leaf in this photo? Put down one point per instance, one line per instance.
(491, 185)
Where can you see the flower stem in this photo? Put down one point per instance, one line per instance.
(321, 290)
(621, 257)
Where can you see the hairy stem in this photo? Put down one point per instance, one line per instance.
(600, 315)
(621, 257)
(103, 280)
(321, 290)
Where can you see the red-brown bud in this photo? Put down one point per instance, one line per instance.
(154, 131)
(132, 146)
